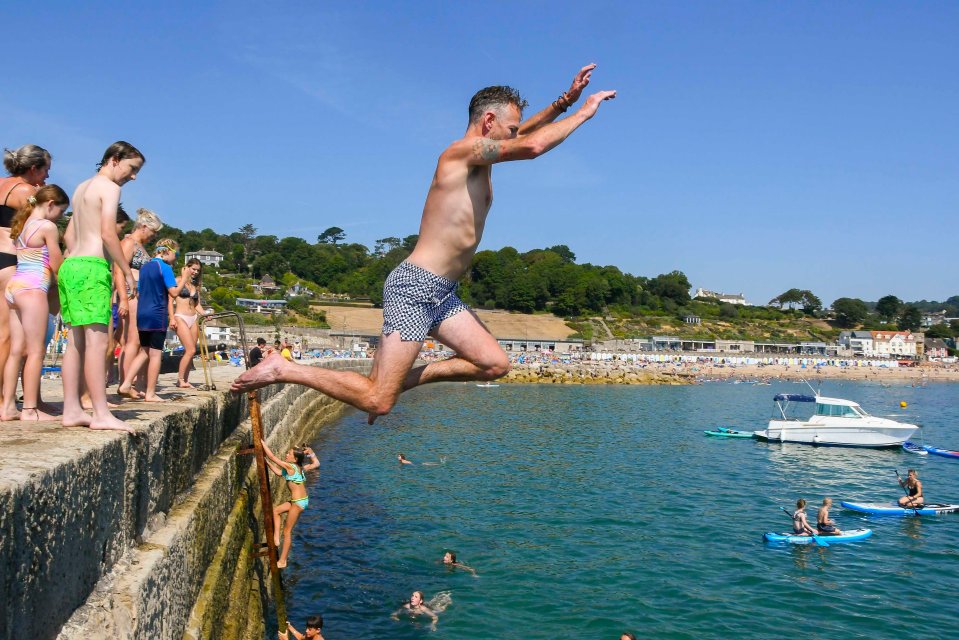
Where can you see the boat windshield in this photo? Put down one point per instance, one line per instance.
(839, 410)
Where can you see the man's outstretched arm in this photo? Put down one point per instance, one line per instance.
(561, 104)
(486, 151)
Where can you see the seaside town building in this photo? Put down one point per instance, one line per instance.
(206, 257)
(895, 344)
(935, 348)
(266, 285)
(857, 343)
(731, 298)
(261, 306)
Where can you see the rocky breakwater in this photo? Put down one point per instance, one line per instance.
(105, 535)
(595, 373)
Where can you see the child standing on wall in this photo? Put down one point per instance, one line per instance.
(290, 470)
(157, 286)
(86, 285)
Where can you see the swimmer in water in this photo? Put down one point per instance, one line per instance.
(403, 459)
(314, 630)
(449, 559)
(416, 607)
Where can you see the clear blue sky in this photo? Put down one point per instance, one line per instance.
(756, 146)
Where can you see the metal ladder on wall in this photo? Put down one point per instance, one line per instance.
(267, 548)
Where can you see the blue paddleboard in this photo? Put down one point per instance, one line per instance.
(851, 535)
(893, 508)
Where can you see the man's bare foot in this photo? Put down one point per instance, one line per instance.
(76, 420)
(9, 417)
(35, 415)
(184, 385)
(263, 374)
(111, 423)
(154, 398)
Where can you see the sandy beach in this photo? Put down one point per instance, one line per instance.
(553, 371)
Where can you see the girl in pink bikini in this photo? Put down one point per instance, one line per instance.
(37, 242)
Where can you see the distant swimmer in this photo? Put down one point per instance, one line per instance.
(449, 559)
(627, 636)
(290, 470)
(824, 525)
(801, 525)
(913, 487)
(419, 296)
(403, 459)
(416, 607)
(314, 629)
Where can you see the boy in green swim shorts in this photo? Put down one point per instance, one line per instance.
(85, 284)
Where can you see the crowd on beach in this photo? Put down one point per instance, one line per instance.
(116, 298)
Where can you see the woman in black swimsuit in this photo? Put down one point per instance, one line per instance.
(29, 167)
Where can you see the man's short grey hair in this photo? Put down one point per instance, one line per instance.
(495, 98)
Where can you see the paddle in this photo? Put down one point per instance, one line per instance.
(902, 484)
(816, 539)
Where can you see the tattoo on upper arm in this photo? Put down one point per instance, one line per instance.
(486, 150)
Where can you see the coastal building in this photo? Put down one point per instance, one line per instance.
(935, 348)
(298, 290)
(692, 319)
(539, 345)
(934, 317)
(666, 343)
(206, 256)
(261, 306)
(731, 298)
(266, 285)
(216, 334)
(895, 344)
(858, 343)
(735, 346)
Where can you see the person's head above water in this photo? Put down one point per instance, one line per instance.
(449, 558)
(495, 112)
(315, 624)
(801, 503)
(416, 600)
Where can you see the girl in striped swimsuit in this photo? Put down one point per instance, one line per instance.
(38, 259)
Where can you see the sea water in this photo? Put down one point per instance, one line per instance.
(588, 511)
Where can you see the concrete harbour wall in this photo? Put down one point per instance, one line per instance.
(104, 535)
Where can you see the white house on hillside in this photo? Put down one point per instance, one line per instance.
(205, 256)
(731, 298)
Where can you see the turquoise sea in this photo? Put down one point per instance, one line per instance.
(589, 511)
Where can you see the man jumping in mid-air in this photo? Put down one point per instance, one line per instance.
(419, 296)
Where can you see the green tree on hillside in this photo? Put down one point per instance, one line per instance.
(849, 312)
(888, 307)
(671, 286)
(333, 235)
(911, 318)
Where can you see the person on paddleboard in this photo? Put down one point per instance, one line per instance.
(801, 525)
(824, 525)
(912, 485)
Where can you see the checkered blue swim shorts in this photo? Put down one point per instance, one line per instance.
(415, 301)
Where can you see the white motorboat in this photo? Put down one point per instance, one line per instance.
(833, 422)
(486, 385)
